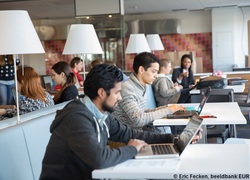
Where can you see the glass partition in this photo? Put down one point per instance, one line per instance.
(110, 31)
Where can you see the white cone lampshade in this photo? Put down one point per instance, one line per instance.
(18, 35)
(137, 43)
(82, 39)
(154, 42)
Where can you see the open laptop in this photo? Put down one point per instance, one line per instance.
(248, 96)
(50, 89)
(188, 113)
(171, 150)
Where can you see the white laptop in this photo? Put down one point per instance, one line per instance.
(170, 150)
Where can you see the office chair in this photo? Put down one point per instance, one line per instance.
(217, 95)
(243, 100)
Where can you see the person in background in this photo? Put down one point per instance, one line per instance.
(95, 62)
(165, 91)
(62, 74)
(7, 79)
(34, 96)
(80, 131)
(131, 110)
(77, 65)
(125, 77)
(184, 76)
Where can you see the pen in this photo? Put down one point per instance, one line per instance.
(208, 116)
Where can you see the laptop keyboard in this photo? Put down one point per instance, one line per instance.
(162, 149)
(181, 112)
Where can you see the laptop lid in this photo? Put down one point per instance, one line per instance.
(248, 96)
(204, 100)
(187, 136)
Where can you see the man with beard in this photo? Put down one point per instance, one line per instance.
(80, 131)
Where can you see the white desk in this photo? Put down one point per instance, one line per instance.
(198, 159)
(226, 113)
(236, 88)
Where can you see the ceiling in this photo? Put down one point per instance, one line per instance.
(43, 9)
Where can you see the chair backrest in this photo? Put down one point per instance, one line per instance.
(216, 95)
(23, 145)
(237, 141)
(150, 98)
(220, 95)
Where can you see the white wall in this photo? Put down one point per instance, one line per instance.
(230, 42)
(245, 15)
(37, 61)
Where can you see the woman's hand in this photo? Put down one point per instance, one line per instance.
(184, 74)
(191, 86)
(176, 84)
(180, 86)
(2, 111)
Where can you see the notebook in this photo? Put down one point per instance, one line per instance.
(170, 150)
(188, 113)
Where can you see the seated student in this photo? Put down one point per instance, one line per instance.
(131, 110)
(33, 95)
(80, 131)
(184, 76)
(62, 74)
(76, 65)
(165, 91)
(95, 62)
(125, 77)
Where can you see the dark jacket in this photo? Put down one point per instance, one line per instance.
(77, 147)
(68, 93)
(186, 81)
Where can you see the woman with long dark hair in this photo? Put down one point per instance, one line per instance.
(62, 75)
(184, 76)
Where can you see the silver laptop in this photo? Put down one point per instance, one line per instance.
(170, 150)
(189, 113)
(248, 96)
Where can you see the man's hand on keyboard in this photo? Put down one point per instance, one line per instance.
(175, 107)
(138, 144)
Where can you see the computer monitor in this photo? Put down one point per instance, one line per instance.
(46, 81)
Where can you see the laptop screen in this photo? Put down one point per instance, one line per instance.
(190, 131)
(172, 150)
(204, 100)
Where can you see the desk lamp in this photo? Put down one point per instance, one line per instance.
(18, 36)
(154, 42)
(137, 43)
(82, 39)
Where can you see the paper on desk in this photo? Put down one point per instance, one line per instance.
(135, 164)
